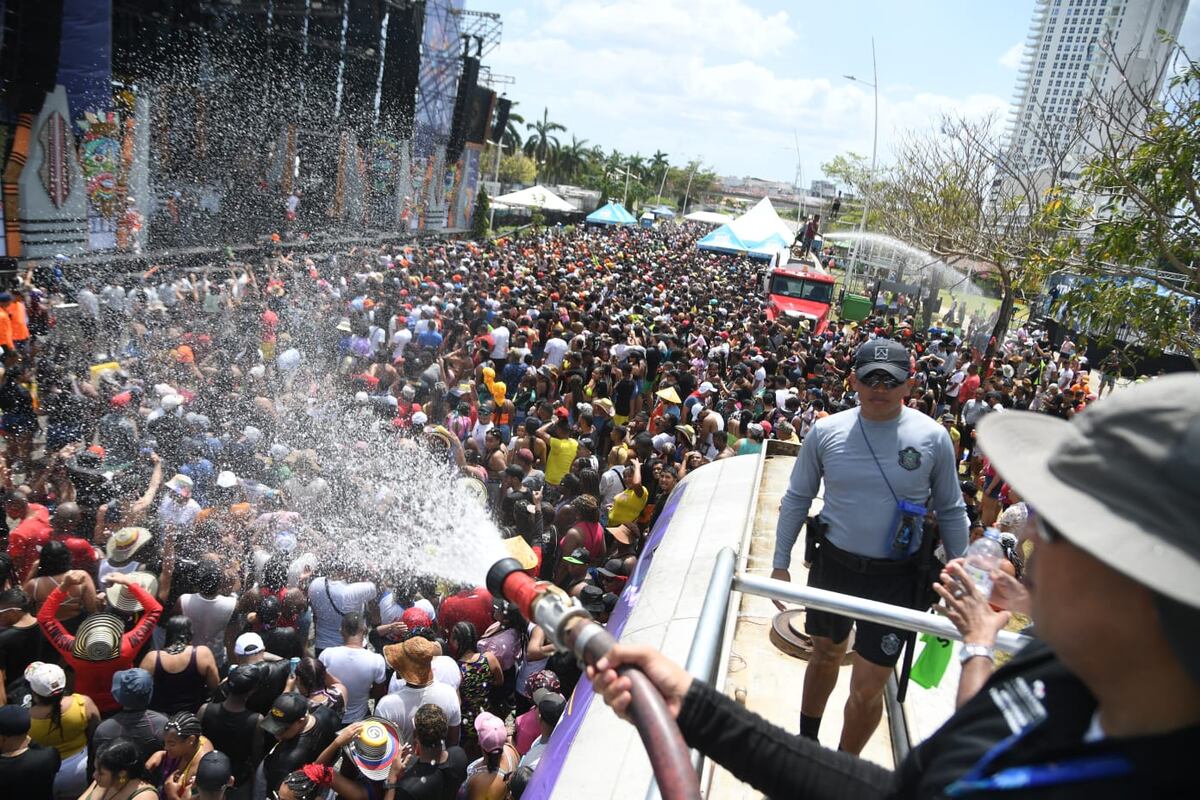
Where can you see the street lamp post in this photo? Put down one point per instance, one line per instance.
(862, 224)
(688, 192)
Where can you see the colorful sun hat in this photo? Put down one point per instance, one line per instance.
(98, 638)
(375, 748)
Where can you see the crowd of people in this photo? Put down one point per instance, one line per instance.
(177, 615)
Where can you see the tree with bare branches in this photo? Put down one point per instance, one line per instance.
(955, 192)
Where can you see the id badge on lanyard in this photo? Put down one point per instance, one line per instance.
(906, 524)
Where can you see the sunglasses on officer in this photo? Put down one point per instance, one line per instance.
(880, 378)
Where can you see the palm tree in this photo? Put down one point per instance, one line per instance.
(511, 139)
(542, 141)
(571, 159)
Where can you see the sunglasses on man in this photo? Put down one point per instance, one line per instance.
(881, 378)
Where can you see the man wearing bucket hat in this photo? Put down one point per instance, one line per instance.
(412, 660)
(1107, 703)
(100, 646)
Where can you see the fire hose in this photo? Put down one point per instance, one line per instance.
(572, 629)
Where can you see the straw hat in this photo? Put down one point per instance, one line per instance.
(375, 748)
(98, 638)
(413, 660)
(120, 598)
(123, 545)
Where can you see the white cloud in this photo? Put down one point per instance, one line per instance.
(690, 78)
(1012, 56)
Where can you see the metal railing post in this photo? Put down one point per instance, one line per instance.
(871, 610)
(710, 630)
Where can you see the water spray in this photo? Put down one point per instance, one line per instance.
(572, 629)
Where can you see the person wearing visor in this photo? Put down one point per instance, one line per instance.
(884, 466)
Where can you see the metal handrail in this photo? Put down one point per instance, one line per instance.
(706, 642)
(871, 610)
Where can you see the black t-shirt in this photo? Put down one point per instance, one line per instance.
(1035, 684)
(622, 396)
(285, 758)
(424, 781)
(270, 686)
(20, 647)
(235, 733)
(30, 775)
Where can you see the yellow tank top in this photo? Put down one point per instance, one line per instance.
(71, 737)
(561, 456)
(627, 506)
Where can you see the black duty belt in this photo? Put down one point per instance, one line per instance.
(868, 566)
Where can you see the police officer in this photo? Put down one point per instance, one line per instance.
(884, 466)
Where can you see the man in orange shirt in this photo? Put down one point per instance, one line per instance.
(6, 333)
(18, 319)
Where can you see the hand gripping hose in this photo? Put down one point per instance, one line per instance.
(573, 629)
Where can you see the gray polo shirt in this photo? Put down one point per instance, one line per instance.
(916, 455)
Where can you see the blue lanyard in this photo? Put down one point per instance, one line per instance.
(1076, 770)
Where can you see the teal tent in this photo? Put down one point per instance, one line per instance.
(611, 214)
(723, 240)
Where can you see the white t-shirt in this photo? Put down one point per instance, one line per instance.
(359, 670)
(555, 351)
(390, 610)
(500, 336)
(327, 617)
(400, 707)
(955, 384)
(531, 758)
(209, 620)
(445, 670)
(400, 340)
(180, 515)
(612, 483)
(479, 435)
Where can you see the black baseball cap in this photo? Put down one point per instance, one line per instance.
(882, 355)
(613, 568)
(14, 720)
(550, 705)
(285, 711)
(213, 772)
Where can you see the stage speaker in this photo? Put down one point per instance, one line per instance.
(29, 56)
(479, 114)
(503, 106)
(458, 128)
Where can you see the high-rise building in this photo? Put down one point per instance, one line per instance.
(1076, 47)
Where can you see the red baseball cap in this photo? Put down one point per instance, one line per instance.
(415, 618)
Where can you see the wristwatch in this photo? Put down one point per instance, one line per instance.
(970, 651)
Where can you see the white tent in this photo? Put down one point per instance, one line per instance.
(535, 197)
(762, 230)
(709, 217)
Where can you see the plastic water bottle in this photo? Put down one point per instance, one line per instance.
(983, 556)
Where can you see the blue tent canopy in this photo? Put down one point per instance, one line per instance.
(662, 211)
(723, 240)
(611, 214)
(759, 233)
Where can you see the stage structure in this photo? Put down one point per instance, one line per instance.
(145, 124)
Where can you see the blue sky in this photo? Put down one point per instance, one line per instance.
(730, 80)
